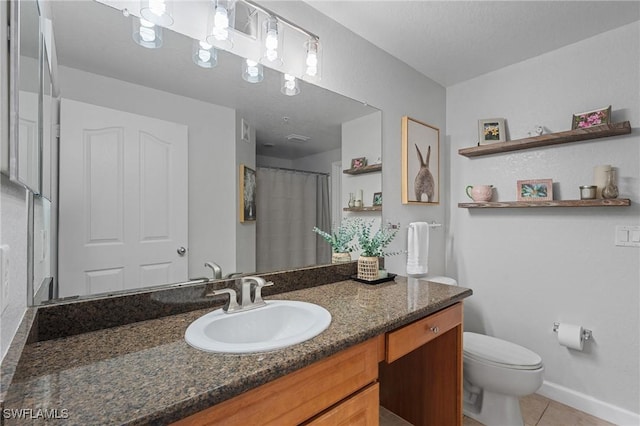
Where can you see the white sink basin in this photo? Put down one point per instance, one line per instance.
(279, 324)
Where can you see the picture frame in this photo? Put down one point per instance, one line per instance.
(247, 194)
(359, 162)
(377, 199)
(420, 183)
(535, 190)
(597, 117)
(491, 130)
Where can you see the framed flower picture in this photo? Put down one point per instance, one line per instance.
(535, 190)
(587, 119)
(491, 130)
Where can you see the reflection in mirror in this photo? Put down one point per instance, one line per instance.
(150, 152)
(25, 156)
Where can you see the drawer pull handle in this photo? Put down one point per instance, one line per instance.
(435, 329)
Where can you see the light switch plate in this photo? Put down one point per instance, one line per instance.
(627, 236)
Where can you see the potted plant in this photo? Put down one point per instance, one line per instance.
(372, 246)
(340, 240)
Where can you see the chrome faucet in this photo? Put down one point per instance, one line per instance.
(246, 302)
(217, 270)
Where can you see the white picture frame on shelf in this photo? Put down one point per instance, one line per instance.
(491, 130)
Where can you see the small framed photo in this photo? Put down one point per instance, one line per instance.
(356, 163)
(587, 119)
(247, 194)
(491, 130)
(245, 131)
(535, 190)
(377, 198)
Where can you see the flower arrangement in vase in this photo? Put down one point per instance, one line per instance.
(340, 239)
(372, 246)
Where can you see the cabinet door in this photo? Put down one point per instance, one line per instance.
(300, 395)
(362, 409)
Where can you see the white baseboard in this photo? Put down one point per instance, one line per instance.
(589, 405)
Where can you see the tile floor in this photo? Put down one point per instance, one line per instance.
(540, 411)
(536, 411)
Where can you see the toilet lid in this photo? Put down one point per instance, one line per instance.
(499, 352)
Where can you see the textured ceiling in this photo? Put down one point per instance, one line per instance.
(453, 41)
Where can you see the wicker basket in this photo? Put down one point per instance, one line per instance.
(341, 257)
(368, 268)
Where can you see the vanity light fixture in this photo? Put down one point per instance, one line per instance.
(204, 54)
(219, 23)
(157, 12)
(272, 40)
(146, 33)
(290, 86)
(252, 71)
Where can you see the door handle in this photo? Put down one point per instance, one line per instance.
(182, 251)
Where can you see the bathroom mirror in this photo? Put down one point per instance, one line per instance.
(24, 150)
(228, 123)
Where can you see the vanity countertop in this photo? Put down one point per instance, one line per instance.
(145, 373)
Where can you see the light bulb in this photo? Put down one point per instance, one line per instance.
(147, 32)
(157, 7)
(252, 68)
(221, 24)
(272, 55)
(271, 42)
(204, 45)
(312, 59)
(204, 55)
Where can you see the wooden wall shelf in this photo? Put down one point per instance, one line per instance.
(363, 209)
(615, 202)
(601, 131)
(365, 169)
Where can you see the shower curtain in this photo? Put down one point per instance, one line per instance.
(289, 205)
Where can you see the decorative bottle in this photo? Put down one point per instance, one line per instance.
(352, 200)
(610, 190)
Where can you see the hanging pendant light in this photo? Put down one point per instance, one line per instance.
(312, 61)
(252, 71)
(272, 41)
(290, 86)
(220, 22)
(158, 12)
(147, 34)
(204, 55)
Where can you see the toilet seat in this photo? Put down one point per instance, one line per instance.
(499, 353)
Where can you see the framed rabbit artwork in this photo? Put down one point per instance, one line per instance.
(420, 162)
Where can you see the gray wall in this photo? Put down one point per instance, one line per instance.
(531, 267)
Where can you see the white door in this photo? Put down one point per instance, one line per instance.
(123, 200)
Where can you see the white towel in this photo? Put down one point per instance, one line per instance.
(418, 249)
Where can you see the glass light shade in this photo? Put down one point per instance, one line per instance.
(147, 34)
(290, 85)
(252, 71)
(204, 55)
(221, 22)
(313, 59)
(158, 12)
(272, 41)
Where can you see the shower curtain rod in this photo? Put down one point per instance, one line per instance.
(293, 170)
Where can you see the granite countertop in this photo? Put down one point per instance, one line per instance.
(145, 373)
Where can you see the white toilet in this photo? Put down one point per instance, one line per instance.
(496, 374)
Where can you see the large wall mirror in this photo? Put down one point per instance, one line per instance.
(151, 147)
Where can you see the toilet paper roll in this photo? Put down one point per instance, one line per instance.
(570, 335)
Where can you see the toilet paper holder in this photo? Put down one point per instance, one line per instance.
(586, 334)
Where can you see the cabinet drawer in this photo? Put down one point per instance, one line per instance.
(404, 340)
(362, 409)
(300, 395)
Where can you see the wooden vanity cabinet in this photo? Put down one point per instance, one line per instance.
(301, 395)
(414, 371)
(421, 377)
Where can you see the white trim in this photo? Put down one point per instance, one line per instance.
(336, 193)
(589, 404)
